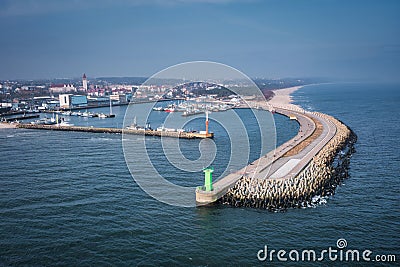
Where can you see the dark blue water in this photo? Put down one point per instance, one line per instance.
(68, 198)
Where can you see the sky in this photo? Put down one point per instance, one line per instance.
(343, 40)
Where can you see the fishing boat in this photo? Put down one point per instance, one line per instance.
(192, 112)
(44, 121)
(162, 128)
(169, 110)
(135, 126)
(64, 123)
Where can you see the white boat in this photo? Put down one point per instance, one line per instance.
(64, 123)
(135, 126)
(192, 112)
(44, 121)
(169, 110)
(163, 129)
(88, 114)
(158, 109)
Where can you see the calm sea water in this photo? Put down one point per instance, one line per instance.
(68, 198)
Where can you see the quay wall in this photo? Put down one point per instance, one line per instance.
(19, 118)
(318, 179)
(184, 135)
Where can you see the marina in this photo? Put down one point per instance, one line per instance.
(195, 107)
(85, 114)
(92, 121)
(59, 124)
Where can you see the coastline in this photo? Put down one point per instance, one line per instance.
(321, 161)
(282, 97)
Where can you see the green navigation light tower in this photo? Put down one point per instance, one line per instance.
(208, 178)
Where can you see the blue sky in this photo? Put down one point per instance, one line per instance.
(343, 40)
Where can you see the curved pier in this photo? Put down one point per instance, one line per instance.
(296, 174)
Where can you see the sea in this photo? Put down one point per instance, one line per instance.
(69, 199)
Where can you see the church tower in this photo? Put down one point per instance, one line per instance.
(84, 82)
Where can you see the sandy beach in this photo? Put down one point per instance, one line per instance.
(283, 96)
(281, 99)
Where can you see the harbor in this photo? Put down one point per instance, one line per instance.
(58, 124)
(279, 168)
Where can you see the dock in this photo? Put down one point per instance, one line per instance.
(20, 118)
(183, 135)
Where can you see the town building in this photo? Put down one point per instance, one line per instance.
(62, 88)
(120, 98)
(70, 100)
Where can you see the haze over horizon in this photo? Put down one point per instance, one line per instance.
(341, 40)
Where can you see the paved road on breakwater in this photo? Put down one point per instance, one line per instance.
(275, 165)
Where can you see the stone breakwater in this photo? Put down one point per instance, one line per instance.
(318, 180)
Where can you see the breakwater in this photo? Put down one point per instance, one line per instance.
(175, 134)
(317, 180)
